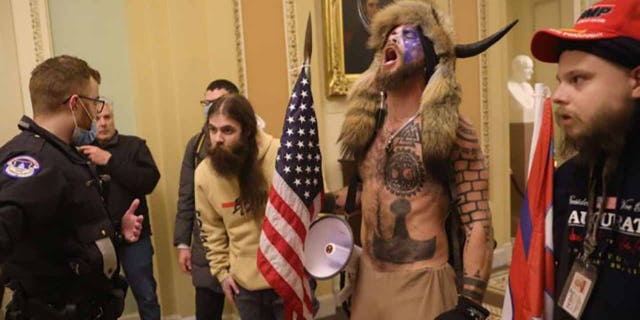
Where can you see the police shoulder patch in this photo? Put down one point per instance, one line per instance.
(21, 167)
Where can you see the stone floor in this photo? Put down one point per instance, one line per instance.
(495, 292)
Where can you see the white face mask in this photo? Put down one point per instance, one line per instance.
(82, 136)
(206, 108)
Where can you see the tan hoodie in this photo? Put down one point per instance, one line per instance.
(231, 239)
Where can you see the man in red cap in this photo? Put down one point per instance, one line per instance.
(596, 193)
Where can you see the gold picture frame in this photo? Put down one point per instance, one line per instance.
(338, 81)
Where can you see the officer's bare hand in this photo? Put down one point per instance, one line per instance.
(184, 259)
(96, 155)
(132, 224)
(230, 289)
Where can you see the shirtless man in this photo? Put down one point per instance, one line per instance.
(421, 149)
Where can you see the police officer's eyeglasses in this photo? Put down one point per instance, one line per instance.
(99, 103)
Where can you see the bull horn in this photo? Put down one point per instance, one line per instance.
(472, 49)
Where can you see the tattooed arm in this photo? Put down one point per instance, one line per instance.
(472, 186)
(335, 202)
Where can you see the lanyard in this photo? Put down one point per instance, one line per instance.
(593, 219)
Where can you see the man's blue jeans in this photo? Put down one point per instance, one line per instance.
(259, 304)
(266, 304)
(137, 263)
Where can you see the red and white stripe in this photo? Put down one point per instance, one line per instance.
(280, 257)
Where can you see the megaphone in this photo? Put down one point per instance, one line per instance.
(328, 247)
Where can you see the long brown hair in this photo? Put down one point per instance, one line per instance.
(252, 183)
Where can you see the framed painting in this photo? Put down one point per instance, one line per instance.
(345, 38)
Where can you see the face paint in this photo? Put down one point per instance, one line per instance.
(403, 58)
(412, 45)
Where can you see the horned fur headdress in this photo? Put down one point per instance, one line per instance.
(441, 95)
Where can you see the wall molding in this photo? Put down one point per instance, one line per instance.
(494, 130)
(241, 59)
(31, 25)
(290, 28)
(38, 42)
(485, 125)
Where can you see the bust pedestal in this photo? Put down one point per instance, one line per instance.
(520, 102)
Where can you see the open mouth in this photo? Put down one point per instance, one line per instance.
(563, 118)
(390, 55)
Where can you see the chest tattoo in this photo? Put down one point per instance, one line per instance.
(401, 248)
(404, 172)
(404, 177)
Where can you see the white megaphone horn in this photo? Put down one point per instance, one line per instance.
(328, 247)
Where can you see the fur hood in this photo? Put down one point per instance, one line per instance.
(441, 95)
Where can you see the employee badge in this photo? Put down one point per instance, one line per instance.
(577, 289)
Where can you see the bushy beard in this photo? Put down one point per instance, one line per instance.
(240, 162)
(228, 162)
(394, 79)
(605, 137)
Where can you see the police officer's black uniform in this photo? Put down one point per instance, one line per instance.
(56, 238)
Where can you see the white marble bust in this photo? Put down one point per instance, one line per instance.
(521, 91)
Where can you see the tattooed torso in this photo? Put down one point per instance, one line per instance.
(403, 206)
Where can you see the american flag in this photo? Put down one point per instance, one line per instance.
(294, 199)
(529, 293)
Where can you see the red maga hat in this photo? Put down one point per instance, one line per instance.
(603, 20)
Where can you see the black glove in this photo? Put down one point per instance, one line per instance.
(465, 310)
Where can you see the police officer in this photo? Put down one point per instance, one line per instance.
(56, 237)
